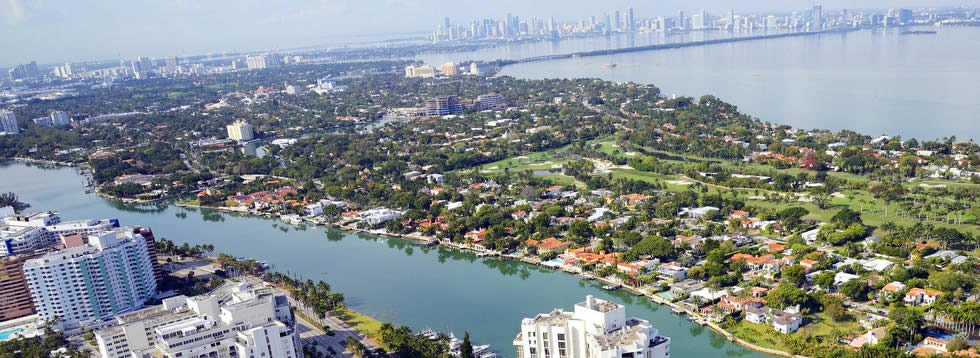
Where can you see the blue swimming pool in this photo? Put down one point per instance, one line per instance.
(666, 295)
(7, 334)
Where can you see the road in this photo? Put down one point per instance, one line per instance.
(309, 333)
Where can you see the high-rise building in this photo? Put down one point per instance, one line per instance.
(680, 19)
(442, 105)
(237, 320)
(59, 118)
(23, 71)
(596, 329)
(817, 18)
(904, 16)
(8, 122)
(141, 67)
(111, 274)
(240, 131)
(171, 64)
(15, 296)
(420, 71)
(491, 101)
(449, 69)
(630, 20)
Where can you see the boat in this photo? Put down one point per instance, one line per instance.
(611, 287)
(586, 276)
(481, 351)
(609, 65)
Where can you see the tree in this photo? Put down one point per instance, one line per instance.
(856, 290)
(845, 218)
(795, 275)
(785, 296)
(466, 348)
(836, 312)
(824, 279)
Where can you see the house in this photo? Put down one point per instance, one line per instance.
(871, 337)
(783, 321)
(549, 245)
(759, 292)
(738, 214)
(685, 287)
(628, 268)
(552, 191)
(676, 272)
(753, 261)
(697, 212)
(841, 277)
(917, 296)
(878, 265)
(632, 200)
(435, 178)
(891, 290)
(694, 242)
(808, 264)
(774, 247)
(313, 210)
(810, 236)
(775, 265)
(519, 215)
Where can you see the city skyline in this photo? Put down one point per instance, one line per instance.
(94, 32)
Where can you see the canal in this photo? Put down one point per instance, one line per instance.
(389, 279)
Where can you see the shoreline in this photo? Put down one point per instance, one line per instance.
(431, 241)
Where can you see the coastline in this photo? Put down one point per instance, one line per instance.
(427, 241)
(430, 241)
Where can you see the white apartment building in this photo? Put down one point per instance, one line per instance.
(29, 232)
(237, 320)
(240, 131)
(8, 122)
(111, 274)
(596, 329)
(59, 118)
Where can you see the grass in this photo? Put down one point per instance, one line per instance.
(760, 334)
(757, 334)
(366, 325)
(531, 161)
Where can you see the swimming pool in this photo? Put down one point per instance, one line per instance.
(7, 334)
(666, 295)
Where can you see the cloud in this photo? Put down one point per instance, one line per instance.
(13, 13)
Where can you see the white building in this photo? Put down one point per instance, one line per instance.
(379, 215)
(111, 274)
(597, 329)
(239, 319)
(420, 71)
(240, 131)
(8, 122)
(59, 118)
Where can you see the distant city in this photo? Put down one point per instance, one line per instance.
(509, 28)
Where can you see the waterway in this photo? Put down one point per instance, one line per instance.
(389, 279)
(874, 81)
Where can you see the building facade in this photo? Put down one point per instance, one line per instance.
(15, 297)
(237, 320)
(111, 274)
(240, 131)
(59, 118)
(8, 122)
(596, 329)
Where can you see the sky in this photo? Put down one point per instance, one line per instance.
(58, 31)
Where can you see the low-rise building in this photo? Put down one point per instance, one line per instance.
(920, 296)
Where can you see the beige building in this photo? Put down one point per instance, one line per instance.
(240, 131)
(420, 71)
(449, 69)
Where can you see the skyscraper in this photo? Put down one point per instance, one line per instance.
(680, 19)
(8, 122)
(817, 17)
(445, 23)
(618, 23)
(171, 64)
(141, 66)
(240, 131)
(111, 274)
(630, 21)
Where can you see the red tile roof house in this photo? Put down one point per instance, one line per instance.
(809, 264)
(891, 290)
(917, 296)
(739, 214)
(549, 245)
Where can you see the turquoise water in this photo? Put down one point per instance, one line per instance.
(389, 279)
(872, 81)
(666, 295)
(7, 334)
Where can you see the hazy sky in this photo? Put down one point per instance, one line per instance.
(77, 30)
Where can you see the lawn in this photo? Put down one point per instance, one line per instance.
(531, 161)
(758, 334)
(366, 325)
